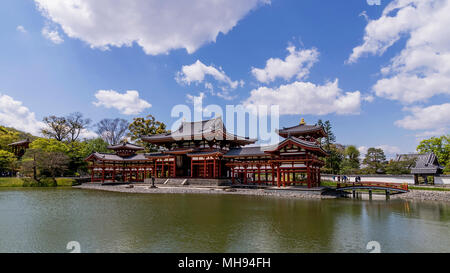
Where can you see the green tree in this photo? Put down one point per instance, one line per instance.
(46, 157)
(400, 167)
(7, 137)
(440, 146)
(375, 161)
(350, 163)
(94, 145)
(144, 127)
(330, 138)
(7, 161)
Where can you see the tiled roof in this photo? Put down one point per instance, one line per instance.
(425, 163)
(127, 146)
(302, 129)
(246, 151)
(25, 141)
(114, 157)
(207, 129)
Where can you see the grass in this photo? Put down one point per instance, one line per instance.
(27, 182)
(428, 188)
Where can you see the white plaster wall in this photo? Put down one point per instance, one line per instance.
(442, 180)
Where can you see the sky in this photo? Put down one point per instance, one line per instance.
(378, 70)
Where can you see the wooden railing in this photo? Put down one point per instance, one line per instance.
(398, 186)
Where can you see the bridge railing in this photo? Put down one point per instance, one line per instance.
(398, 186)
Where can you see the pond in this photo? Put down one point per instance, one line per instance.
(45, 220)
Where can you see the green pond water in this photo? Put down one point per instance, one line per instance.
(45, 220)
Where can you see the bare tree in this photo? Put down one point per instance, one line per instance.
(76, 124)
(112, 130)
(57, 128)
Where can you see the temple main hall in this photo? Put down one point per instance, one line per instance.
(205, 150)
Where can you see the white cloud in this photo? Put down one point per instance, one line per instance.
(14, 114)
(21, 29)
(307, 98)
(297, 63)
(422, 69)
(128, 103)
(87, 134)
(158, 26)
(197, 72)
(389, 150)
(433, 117)
(52, 35)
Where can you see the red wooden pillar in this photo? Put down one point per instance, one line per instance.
(174, 168)
(92, 171)
(273, 174)
(214, 168)
(245, 174)
(204, 168)
(232, 174)
(192, 167)
(308, 173)
(114, 172)
(259, 174)
(278, 176)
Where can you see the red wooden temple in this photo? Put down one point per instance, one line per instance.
(206, 150)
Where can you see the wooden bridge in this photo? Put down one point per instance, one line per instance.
(388, 187)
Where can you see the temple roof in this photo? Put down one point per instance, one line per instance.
(114, 157)
(425, 163)
(246, 151)
(126, 146)
(21, 142)
(308, 145)
(212, 129)
(302, 129)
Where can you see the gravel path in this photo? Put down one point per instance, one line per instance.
(205, 190)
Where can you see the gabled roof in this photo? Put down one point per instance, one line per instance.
(302, 129)
(425, 163)
(212, 129)
(126, 146)
(307, 145)
(246, 151)
(21, 142)
(114, 157)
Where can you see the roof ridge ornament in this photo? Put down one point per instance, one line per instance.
(302, 122)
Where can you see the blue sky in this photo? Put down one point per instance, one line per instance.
(53, 60)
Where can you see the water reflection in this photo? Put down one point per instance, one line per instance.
(44, 220)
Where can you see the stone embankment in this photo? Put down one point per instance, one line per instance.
(425, 195)
(206, 190)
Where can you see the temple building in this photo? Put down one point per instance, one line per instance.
(19, 148)
(425, 165)
(205, 150)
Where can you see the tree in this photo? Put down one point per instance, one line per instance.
(57, 128)
(350, 163)
(400, 167)
(330, 138)
(375, 161)
(112, 130)
(440, 146)
(94, 145)
(143, 127)
(48, 156)
(7, 161)
(76, 124)
(7, 137)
